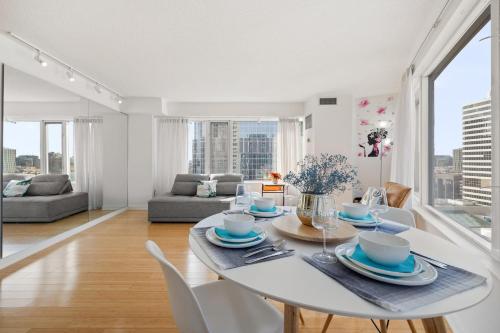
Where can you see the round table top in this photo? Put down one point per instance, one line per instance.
(293, 281)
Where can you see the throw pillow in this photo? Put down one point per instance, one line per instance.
(16, 188)
(207, 189)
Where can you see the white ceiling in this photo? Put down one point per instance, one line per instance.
(21, 87)
(229, 50)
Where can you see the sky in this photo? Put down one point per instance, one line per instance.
(25, 137)
(467, 79)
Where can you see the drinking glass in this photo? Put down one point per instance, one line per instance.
(377, 203)
(324, 218)
(242, 197)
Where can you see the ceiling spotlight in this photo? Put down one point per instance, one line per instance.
(119, 101)
(40, 60)
(98, 88)
(71, 75)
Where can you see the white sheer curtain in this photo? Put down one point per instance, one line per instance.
(403, 156)
(289, 145)
(171, 152)
(88, 159)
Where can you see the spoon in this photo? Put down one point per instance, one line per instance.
(276, 247)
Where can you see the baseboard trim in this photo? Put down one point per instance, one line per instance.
(16, 257)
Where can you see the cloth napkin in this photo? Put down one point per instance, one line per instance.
(368, 218)
(406, 266)
(255, 209)
(223, 233)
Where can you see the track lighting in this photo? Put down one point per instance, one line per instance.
(98, 88)
(40, 60)
(71, 75)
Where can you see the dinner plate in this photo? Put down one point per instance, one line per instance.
(417, 269)
(360, 223)
(256, 229)
(278, 212)
(427, 275)
(212, 238)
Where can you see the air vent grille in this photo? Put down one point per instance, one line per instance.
(328, 101)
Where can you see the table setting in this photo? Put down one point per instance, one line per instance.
(359, 256)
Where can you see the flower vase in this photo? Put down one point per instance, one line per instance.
(305, 207)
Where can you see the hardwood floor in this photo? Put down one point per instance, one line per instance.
(103, 281)
(19, 236)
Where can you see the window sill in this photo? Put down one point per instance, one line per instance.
(460, 236)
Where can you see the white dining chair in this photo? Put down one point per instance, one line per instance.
(399, 215)
(219, 306)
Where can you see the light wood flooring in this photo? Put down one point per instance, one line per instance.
(19, 236)
(103, 281)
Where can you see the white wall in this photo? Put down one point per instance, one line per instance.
(331, 131)
(274, 110)
(140, 148)
(115, 161)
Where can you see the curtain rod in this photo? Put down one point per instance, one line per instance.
(436, 23)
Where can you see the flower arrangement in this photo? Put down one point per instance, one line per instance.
(322, 175)
(275, 176)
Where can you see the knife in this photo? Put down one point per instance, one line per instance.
(251, 261)
(431, 261)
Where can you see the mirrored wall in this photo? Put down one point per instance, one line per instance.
(64, 161)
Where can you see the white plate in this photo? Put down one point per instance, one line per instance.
(417, 270)
(256, 229)
(426, 276)
(276, 213)
(360, 223)
(212, 238)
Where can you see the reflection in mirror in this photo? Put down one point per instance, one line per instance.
(55, 161)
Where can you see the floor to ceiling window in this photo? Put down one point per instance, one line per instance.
(460, 104)
(246, 147)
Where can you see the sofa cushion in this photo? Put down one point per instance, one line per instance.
(181, 208)
(226, 183)
(44, 208)
(16, 188)
(43, 185)
(186, 184)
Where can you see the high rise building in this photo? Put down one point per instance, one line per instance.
(476, 152)
(219, 147)
(457, 159)
(9, 160)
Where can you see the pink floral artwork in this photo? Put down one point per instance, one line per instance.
(364, 122)
(363, 103)
(381, 110)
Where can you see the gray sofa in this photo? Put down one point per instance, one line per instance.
(49, 198)
(182, 204)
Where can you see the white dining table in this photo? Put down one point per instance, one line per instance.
(297, 284)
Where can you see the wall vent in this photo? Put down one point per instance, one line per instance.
(328, 101)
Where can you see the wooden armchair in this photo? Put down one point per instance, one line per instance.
(397, 194)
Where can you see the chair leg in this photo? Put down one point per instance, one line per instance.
(301, 317)
(412, 326)
(327, 323)
(383, 326)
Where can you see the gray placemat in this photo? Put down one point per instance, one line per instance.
(450, 281)
(389, 228)
(226, 258)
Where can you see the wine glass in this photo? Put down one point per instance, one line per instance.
(242, 197)
(377, 203)
(324, 218)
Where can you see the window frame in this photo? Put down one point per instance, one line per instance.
(427, 137)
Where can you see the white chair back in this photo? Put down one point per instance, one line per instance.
(400, 215)
(185, 307)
